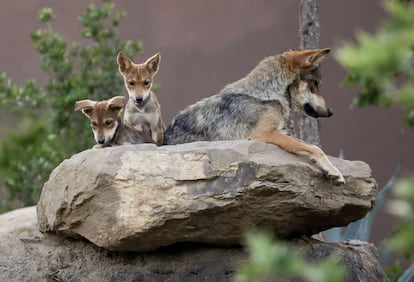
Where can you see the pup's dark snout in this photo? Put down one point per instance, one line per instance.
(101, 140)
(139, 99)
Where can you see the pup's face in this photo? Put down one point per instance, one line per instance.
(103, 116)
(138, 78)
(305, 90)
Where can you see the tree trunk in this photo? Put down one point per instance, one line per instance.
(304, 127)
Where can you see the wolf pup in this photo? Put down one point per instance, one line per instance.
(258, 107)
(142, 111)
(107, 126)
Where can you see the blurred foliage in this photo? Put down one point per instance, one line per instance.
(382, 65)
(48, 130)
(402, 240)
(272, 261)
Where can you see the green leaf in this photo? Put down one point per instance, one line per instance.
(45, 15)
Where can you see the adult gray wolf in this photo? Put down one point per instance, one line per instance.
(258, 107)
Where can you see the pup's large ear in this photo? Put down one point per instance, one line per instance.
(116, 103)
(86, 106)
(124, 63)
(153, 63)
(307, 58)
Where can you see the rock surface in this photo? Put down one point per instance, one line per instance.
(143, 197)
(32, 256)
(21, 222)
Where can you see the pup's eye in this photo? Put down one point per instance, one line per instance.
(131, 83)
(108, 122)
(87, 110)
(94, 124)
(147, 82)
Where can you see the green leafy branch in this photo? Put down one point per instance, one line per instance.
(382, 64)
(48, 130)
(270, 260)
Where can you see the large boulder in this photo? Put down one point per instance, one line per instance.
(142, 197)
(32, 256)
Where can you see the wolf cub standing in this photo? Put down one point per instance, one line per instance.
(107, 126)
(142, 112)
(257, 107)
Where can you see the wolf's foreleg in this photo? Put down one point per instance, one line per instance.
(296, 146)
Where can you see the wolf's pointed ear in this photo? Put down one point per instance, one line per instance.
(153, 63)
(85, 106)
(307, 58)
(124, 63)
(317, 56)
(116, 103)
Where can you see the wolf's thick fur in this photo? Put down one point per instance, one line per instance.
(258, 107)
(142, 112)
(106, 122)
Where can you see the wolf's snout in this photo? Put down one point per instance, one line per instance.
(310, 111)
(325, 113)
(317, 112)
(329, 113)
(101, 140)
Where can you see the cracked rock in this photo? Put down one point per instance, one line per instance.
(143, 197)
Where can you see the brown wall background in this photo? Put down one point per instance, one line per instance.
(207, 44)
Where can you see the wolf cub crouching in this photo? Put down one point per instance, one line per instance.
(142, 112)
(106, 122)
(258, 107)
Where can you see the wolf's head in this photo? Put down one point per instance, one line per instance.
(138, 78)
(305, 90)
(104, 116)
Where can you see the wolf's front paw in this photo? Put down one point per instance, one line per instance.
(337, 177)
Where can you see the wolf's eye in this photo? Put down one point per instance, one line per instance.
(108, 122)
(147, 82)
(314, 86)
(94, 124)
(131, 83)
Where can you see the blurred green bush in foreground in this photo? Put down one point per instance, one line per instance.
(48, 130)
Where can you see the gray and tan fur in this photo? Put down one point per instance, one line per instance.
(258, 107)
(142, 112)
(106, 122)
